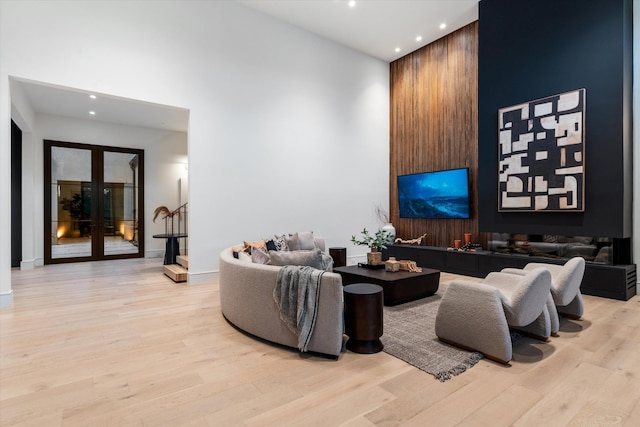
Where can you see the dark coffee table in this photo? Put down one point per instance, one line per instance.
(398, 287)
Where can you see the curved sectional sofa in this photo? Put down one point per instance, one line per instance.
(246, 300)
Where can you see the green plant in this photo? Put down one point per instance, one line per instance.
(375, 242)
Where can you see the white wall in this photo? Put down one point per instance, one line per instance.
(287, 131)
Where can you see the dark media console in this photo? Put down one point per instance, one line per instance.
(609, 281)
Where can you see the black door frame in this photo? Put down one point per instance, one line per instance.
(97, 188)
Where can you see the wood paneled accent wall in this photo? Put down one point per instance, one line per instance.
(434, 126)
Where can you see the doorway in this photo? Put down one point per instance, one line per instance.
(16, 195)
(93, 198)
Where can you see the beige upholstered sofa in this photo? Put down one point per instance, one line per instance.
(246, 300)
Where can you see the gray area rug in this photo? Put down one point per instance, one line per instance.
(409, 334)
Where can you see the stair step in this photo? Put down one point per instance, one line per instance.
(183, 260)
(175, 272)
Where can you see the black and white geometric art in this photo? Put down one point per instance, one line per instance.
(541, 154)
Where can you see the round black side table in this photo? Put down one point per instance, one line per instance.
(363, 317)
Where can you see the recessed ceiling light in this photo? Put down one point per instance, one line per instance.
(92, 96)
(443, 26)
(398, 49)
(419, 38)
(93, 113)
(352, 3)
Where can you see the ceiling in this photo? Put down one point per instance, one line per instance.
(76, 103)
(374, 27)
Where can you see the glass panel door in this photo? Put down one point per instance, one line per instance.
(71, 203)
(120, 207)
(95, 199)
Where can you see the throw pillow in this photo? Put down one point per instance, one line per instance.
(280, 242)
(312, 258)
(293, 242)
(244, 256)
(259, 244)
(259, 256)
(306, 241)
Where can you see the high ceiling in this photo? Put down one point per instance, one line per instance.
(76, 103)
(374, 27)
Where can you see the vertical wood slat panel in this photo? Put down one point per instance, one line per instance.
(434, 126)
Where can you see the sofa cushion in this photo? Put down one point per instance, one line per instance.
(306, 240)
(278, 243)
(312, 258)
(243, 256)
(293, 242)
(260, 256)
(259, 244)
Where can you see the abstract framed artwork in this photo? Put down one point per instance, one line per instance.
(541, 154)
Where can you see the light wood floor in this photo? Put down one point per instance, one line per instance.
(119, 344)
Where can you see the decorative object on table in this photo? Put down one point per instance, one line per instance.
(541, 154)
(467, 238)
(164, 211)
(371, 266)
(467, 247)
(374, 242)
(392, 265)
(416, 241)
(390, 230)
(387, 226)
(408, 265)
(457, 243)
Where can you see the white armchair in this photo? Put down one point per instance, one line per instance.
(565, 297)
(478, 316)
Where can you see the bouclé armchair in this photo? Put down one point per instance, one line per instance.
(565, 298)
(479, 316)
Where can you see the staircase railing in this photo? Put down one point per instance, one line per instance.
(178, 230)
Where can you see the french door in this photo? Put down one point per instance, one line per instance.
(94, 200)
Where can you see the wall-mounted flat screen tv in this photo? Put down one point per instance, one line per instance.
(438, 194)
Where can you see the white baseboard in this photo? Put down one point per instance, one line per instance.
(154, 253)
(199, 278)
(28, 265)
(6, 299)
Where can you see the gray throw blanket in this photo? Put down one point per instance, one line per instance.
(296, 294)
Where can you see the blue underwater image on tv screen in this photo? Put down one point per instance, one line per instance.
(441, 194)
